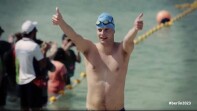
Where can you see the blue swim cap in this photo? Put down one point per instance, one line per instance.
(105, 20)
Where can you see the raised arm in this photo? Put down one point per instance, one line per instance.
(81, 43)
(128, 43)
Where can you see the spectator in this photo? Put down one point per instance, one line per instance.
(70, 57)
(57, 78)
(13, 89)
(6, 69)
(26, 50)
(43, 74)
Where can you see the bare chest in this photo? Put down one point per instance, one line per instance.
(112, 63)
(102, 63)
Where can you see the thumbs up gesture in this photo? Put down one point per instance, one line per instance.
(57, 18)
(138, 24)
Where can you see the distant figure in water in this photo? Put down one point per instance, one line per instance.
(70, 57)
(57, 78)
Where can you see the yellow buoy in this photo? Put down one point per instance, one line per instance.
(61, 92)
(52, 99)
(77, 81)
(83, 74)
(69, 87)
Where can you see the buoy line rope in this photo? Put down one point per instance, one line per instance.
(75, 82)
(191, 7)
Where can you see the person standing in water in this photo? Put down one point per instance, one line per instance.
(106, 61)
(70, 57)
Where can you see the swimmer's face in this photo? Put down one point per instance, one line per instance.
(105, 34)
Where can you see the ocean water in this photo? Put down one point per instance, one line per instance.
(162, 68)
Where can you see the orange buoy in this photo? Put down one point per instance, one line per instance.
(163, 16)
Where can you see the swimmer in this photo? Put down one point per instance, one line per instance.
(106, 61)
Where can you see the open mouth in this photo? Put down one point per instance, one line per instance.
(103, 38)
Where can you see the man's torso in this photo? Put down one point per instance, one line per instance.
(106, 78)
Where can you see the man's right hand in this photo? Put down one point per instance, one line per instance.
(138, 24)
(57, 18)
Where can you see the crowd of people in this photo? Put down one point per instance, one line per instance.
(31, 69)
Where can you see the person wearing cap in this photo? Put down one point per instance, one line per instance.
(106, 61)
(26, 50)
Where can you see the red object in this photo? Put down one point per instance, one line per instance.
(163, 14)
(40, 82)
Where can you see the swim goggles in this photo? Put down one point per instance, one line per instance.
(105, 22)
